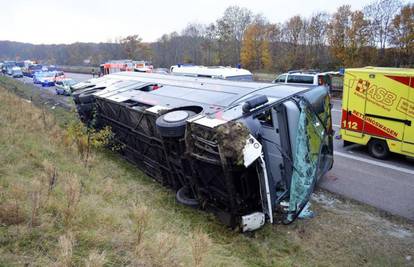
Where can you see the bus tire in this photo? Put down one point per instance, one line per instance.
(172, 124)
(378, 148)
(184, 197)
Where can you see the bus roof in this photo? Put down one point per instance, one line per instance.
(179, 91)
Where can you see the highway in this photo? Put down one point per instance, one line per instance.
(385, 184)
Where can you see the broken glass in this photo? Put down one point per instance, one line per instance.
(309, 138)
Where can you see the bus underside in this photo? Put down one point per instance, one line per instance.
(229, 190)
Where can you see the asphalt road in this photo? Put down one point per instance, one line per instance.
(385, 184)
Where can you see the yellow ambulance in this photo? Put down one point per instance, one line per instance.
(378, 110)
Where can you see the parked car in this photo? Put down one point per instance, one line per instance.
(301, 78)
(17, 72)
(63, 86)
(249, 152)
(37, 75)
(9, 70)
(48, 78)
(31, 69)
(7, 67)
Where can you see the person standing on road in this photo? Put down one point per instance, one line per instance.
(93, 73)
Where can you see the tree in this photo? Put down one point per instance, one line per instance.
(316, 32)
(380, 14)
(337, 32)
(292, 32)
(266, 56)
(209, 45)
(358, 38)
(230, 29)
(275, 47)
(133, 47)
(250, 48)
(402, 34)
(255, 51)
(192, 37)
(348, 34)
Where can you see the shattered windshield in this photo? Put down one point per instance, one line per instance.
(309, 141)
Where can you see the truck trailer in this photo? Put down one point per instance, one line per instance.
(248, 152)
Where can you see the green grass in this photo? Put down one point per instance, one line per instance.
(56, 211)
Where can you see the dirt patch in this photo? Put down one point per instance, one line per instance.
(232, 138)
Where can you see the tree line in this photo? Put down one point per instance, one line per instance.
(380, 34)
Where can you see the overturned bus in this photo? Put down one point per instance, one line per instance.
(249, 152)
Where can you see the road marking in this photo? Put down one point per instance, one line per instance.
(373, 162)
(337, 110)
(336, 125)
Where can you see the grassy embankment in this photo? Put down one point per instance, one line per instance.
(56, 211)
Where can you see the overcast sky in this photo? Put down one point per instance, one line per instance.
(68, 21)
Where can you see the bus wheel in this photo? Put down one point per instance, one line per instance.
(172, 124)
(378, 148)
(184, 196)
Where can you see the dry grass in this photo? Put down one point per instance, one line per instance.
(65, 250)
(95, 259)
(200, 246)
(54, 211)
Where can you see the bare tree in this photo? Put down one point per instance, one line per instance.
(231, 28)
(209, 44)
(380, 14)
(292, 32)
(316, 31)
(192, 38)
(402, 34)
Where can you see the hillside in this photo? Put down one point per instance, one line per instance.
(57, 209)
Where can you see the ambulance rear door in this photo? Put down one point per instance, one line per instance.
(355, 89)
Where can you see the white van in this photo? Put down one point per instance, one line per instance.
(217, 72)
(301, 78)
